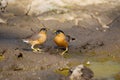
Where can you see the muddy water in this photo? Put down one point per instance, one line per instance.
(105, 69)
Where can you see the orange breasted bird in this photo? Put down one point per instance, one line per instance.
(61, 40)
(37, 39)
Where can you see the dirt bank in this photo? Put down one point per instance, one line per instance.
(92, 43)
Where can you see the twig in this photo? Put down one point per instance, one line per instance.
(113, 20)
(100, 21)
(32, 30)
(103, 24)
(42, 25)
(28, 10)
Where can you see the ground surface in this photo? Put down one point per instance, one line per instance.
(91, 43)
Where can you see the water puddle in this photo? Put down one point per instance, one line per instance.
(105, 69)
(102, 70)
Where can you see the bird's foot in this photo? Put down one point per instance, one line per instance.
(38, 49)
(64, 52)
(35, 50)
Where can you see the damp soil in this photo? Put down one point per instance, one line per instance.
(98, 47)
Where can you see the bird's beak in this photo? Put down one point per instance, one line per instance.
(54, 31)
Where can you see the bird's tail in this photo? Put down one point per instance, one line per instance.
(25, 40)
(69, 38)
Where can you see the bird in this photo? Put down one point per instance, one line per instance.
(81, 72)
(61, 40)
(37, 39)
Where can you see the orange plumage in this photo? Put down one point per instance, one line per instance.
(37, 39)
(60, 40)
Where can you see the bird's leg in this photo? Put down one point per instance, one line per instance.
(64, 51)
(32, 47)
(35, 49)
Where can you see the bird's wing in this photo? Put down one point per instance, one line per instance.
(34, 37)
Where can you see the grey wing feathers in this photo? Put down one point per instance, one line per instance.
(34, 37)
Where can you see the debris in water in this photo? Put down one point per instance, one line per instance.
(81, 73)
